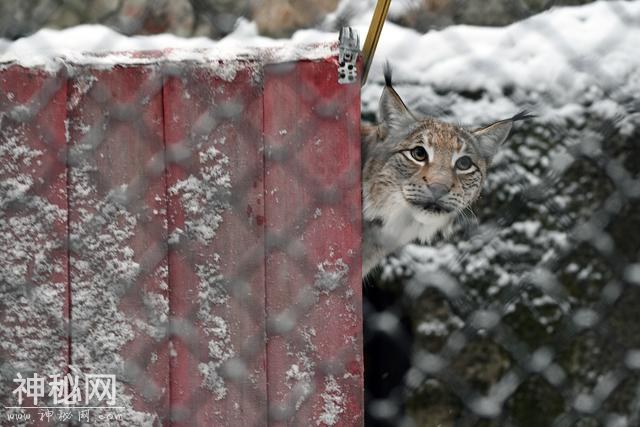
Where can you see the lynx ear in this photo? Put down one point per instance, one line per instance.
(490, 138)
(393, 113)
(493, 136)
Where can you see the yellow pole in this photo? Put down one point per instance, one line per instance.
(370, 44)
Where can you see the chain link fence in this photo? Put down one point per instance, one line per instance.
(193, 227)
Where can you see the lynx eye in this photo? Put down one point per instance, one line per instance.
(464, 163)
(419, 154)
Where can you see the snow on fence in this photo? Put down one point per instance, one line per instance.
(189, 223)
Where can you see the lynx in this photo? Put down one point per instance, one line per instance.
(419, 174)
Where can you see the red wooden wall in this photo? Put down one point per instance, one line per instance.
(192, 228)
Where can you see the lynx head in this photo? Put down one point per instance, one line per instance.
(423, 170)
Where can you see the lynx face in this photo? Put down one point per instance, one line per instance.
(420, 173)
(439, 169)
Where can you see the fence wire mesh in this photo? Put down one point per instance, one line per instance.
(194, 229)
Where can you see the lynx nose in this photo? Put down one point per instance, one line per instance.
(438, 190)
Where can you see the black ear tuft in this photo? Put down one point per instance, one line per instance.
(387, 73)
(523, 115)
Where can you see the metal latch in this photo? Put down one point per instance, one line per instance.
(349, 49)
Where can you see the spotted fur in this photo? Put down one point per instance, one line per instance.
(405, 199)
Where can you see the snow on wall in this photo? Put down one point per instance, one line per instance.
(330, 275)
(31, 305)
(102, 47)
(333, 399)
(102, 235)
(204, 200)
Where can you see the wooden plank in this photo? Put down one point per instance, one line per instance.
(213, 119)
(118, 233)
(313, 263)
(33, 228)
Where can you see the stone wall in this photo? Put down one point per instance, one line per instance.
(424, 15)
